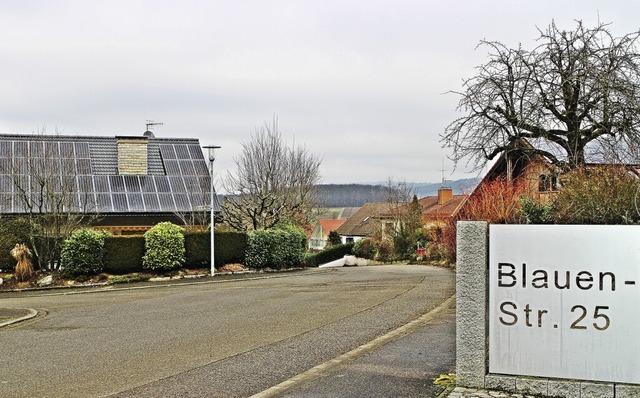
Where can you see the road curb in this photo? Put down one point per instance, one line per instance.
(112, 287)
(374, 344)
(32, 314)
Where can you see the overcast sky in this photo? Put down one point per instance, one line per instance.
(362, 84)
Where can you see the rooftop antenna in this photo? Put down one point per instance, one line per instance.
(151, 123)
(444, 181)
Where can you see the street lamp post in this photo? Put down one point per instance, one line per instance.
(211, 152)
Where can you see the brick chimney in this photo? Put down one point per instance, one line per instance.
(444, 195)
(132, 155)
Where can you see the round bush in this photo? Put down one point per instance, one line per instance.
(164, 247)
(83, 253)
(364, 248)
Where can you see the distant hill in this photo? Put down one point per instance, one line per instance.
(464, 185)
(351, 195)
(356, 195)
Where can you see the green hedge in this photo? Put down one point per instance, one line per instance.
(230, 247)
(124, 254)
(332, 253)
(276, 248)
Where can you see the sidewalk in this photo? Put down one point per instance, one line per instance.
(405, 367)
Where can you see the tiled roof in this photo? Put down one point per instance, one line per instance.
(177, 178)
(362, 222)
(330, 225)
(435, 211)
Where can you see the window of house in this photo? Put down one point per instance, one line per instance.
(547, 183)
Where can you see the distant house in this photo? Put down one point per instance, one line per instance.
(437, 210)
(364, 223)
(529, 175)
(379, 218)
(538, 176)
(320, 235)
(126, 183)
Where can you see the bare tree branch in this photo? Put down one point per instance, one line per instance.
(272, 183)
(574, 89)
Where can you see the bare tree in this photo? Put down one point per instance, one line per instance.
(577, 91)
(405, 216)
(272, 183)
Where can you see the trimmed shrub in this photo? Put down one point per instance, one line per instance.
(83, 253)
(364, 248)
(329, 254)
(230, 247)
(164, 247)
(276, 248)
(124, 254)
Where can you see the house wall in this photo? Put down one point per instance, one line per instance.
(351, 239)
(530, 177)
(318, 239)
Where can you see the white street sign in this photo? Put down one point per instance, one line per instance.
(564, 301)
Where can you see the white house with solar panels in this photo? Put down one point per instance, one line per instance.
(129, 182)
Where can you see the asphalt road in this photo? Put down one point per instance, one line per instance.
(226, 338)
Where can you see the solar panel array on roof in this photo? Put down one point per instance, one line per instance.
(83, 171)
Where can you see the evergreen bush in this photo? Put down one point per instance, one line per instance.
(276, 248)
(535, 212)
(83, 253)
(164, 247)
(364, 248)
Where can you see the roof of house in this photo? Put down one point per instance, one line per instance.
(431, 210)
(177, 177)
(330, 225)
(361, 223)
